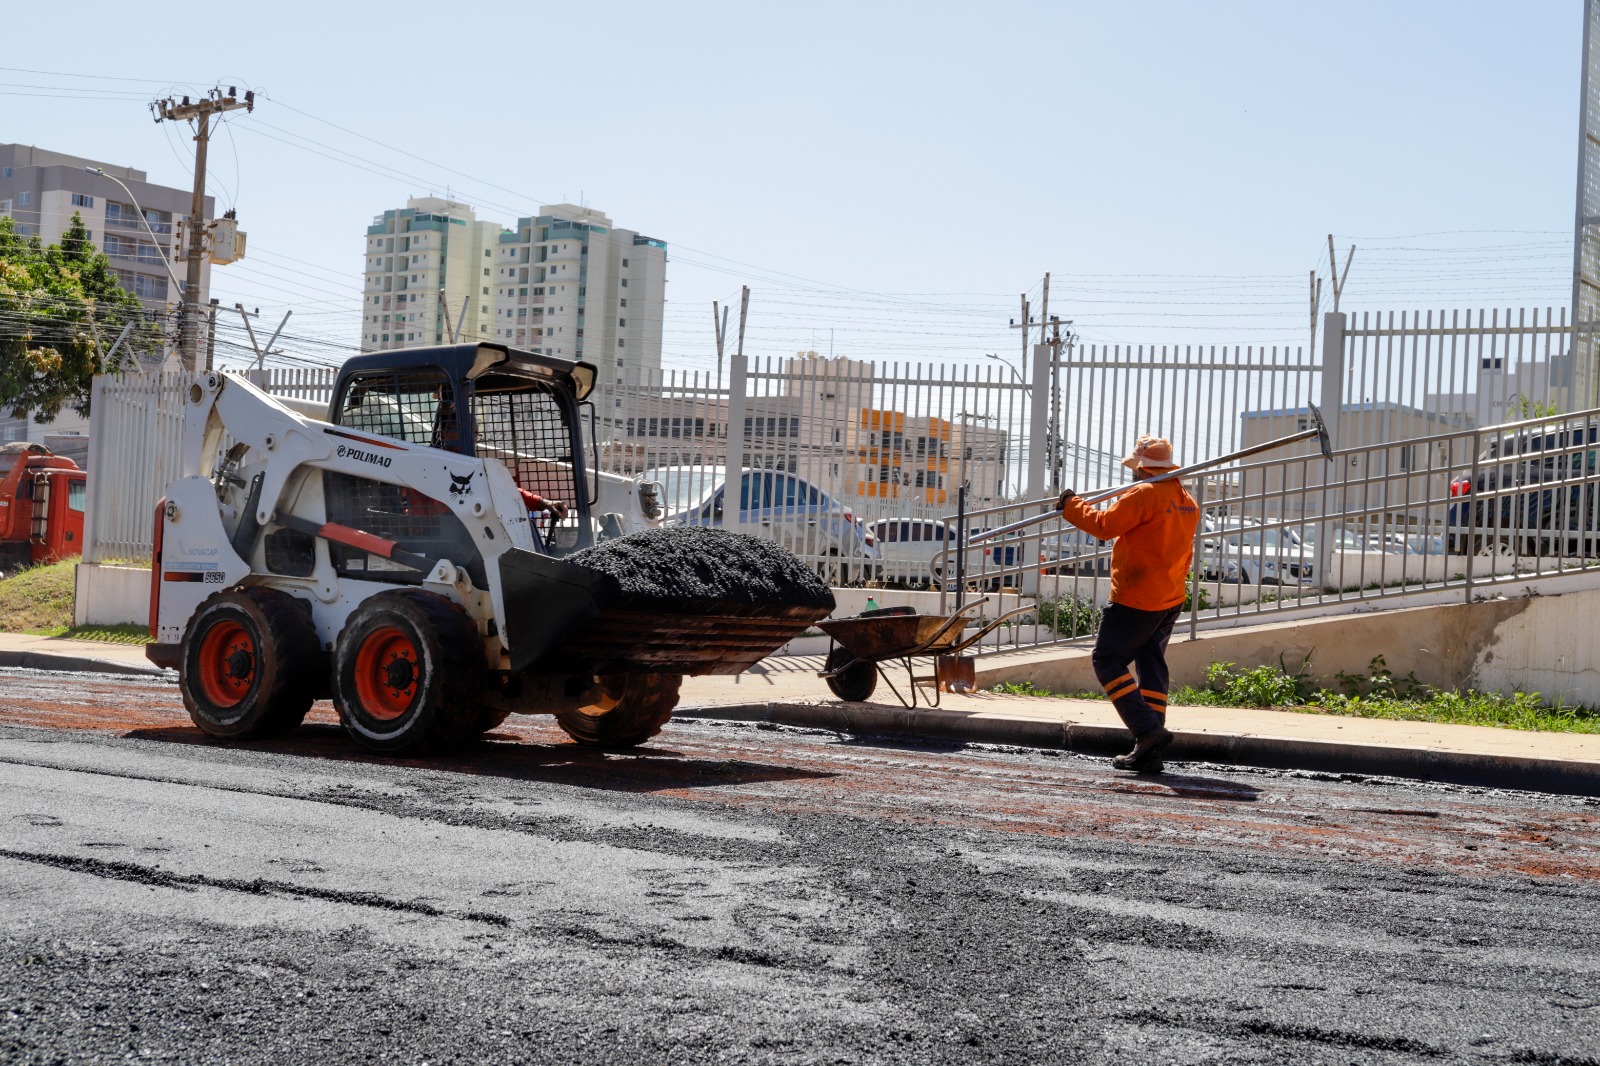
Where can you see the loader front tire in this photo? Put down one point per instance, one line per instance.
(248, 663)
(631, 709)
(408, 671)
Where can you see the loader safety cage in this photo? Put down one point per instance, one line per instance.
(477, 399)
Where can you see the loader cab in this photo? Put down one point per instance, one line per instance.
(484, 400)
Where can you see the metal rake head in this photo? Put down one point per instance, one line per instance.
(1322, 432)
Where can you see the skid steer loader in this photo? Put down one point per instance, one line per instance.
(388, 558)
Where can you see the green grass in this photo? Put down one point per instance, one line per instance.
(1028, 688)
(38, 599)
(1377, 694)
(132, 633)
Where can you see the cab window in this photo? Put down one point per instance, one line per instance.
(415, 405)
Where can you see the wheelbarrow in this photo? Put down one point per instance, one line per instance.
(864, 643)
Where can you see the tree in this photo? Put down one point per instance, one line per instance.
(61, 309)
(1523, 406)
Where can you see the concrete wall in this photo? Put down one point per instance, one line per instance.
(110, 595)
(1546, 644)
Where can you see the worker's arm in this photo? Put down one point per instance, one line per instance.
(1125, 512)
(534, 502)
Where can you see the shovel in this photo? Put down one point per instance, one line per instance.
(1317, 432)
(955, 673)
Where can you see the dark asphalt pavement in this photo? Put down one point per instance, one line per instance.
(744, 894)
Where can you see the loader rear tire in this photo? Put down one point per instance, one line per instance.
(408, 671)
(632, 708)
(249, 663)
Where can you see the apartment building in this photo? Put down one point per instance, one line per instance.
(429, 270)
(568, 282)
(817, 418)
(41, 190)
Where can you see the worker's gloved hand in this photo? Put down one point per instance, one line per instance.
(1061, 504)
(556, 508)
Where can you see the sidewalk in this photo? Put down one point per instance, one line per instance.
(787, 691)
(57, 653)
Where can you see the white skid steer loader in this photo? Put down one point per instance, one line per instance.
(388, 558)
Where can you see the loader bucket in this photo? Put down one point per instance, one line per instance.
(546, 601)
(562, 618)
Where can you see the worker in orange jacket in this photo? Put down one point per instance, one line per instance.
(1153, 526)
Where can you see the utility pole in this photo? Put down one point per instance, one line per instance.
(1316, 303)
(211, 336)
(215, 102)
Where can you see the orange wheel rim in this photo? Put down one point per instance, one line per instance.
(226, 664)
(387, 673)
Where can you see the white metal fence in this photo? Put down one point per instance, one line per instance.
(859, 467)
(135, 446)
(826, 454)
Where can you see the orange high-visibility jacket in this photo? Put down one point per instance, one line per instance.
(1154, 530)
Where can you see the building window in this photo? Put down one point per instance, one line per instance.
(24, 199)
(80, 200)
(624, 283)
(622, 322)
(5, 172)
(621, 343)
(624, 262)
(623, 302)
(485, 271)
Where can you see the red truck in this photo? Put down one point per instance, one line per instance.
(41, 506)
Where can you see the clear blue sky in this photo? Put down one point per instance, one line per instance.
(894, 172)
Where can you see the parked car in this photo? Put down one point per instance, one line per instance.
(1075, 552)
(781, 507)
(908, 549)
(1256, 554)
(1341, 537)
(1554, 508)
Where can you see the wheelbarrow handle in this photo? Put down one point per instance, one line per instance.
(957, 619)
(990, 628)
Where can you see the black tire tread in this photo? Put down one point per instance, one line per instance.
(298, 687)
(283, 634)
(645, 709)
(463, 674)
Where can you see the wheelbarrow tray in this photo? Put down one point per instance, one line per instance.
(895, 636)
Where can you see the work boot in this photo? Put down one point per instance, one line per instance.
(1145, 758)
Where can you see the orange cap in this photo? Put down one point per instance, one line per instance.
(1151, 453)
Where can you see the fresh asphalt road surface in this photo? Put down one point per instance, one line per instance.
(742, 894)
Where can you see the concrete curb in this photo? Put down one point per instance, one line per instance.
(50, 660)
(1276, 753)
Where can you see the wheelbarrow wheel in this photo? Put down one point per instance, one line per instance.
(854, 685)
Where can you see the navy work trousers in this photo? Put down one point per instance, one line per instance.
(1130, 636)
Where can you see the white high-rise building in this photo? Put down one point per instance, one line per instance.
(429, 270)
(569, 283)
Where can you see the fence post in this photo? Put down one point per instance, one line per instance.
(1038, 400)
(99, 430)
(733, 471)
(1333, 372)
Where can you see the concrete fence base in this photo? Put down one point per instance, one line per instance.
(110, 595)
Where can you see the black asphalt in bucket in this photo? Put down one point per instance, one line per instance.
(677, 563)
